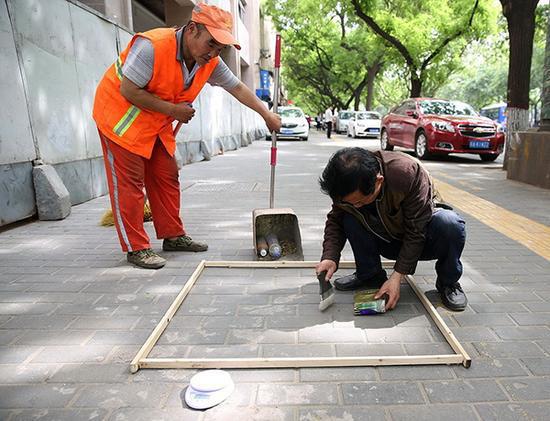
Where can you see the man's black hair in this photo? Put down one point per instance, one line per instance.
(349, 170)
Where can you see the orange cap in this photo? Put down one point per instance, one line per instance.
(218, 22)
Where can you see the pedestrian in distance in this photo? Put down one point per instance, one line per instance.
(384, 204)
(329, 116)
(153, 83)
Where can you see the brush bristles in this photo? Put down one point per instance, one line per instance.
(326, 303)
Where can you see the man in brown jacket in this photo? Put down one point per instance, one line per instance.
(383, 203)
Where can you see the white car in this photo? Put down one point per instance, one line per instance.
(293, 123)
(365, 123)
(342, 121)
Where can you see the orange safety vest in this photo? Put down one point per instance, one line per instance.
(137, 129)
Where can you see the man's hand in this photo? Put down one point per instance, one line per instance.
(182, 112)
(273, 121)
(326, 265)
(392, 289)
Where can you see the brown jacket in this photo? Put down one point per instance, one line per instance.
(405, 206)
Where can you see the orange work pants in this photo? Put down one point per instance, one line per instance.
(127, 175)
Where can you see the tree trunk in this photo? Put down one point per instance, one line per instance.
(372, 72)
(520, 15)
(416, 85)
(545, 97)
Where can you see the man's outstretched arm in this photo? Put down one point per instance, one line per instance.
(247, 97)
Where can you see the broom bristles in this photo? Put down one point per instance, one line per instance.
(108, 220)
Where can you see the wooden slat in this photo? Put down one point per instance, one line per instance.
(299, 362)
(163, 323)
(440, 323)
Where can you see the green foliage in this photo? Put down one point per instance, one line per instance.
(325, 55)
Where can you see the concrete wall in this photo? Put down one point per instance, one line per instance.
(52, 55)
(528, 160)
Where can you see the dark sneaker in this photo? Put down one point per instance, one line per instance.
(352, 282)
(452, 296)
(146, 258)
(183, 243)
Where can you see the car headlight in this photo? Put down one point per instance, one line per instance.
(500, 128)
(444, 127)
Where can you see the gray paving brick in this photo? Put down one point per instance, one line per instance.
(464, 391)
(415, 373)
(260, 336)
(59, 415)
(267, 310)
(435, 412)
(224, 351)
(327, 334)
(490, 368)
(428, 349)
(206, 310)
(513, 411)
(538, 366)
(254, 413)
(513, 297)
(398, 334)
(118, 395)
(530, 319)
(508, 349)
(240, 322)
(114, 337)
(53, 337)
(500, 307)
(522, 332)
(192, 336)
(91, 373)
(26, 373)
(295, 322)
(15, 354)
(72, 354)
(36, 396)
(489, 319)
(161, 375)
(297, 394)
(376, 393)
(102, 322)
(146, 414)
(477, 333)
(544, 344)
(299, 350)
(8, 337)
(358, 350)
(528, 388)
(26, 308)
(348, 414)
(337, 374)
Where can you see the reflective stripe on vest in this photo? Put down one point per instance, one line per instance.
(118, 68)
(126, 121)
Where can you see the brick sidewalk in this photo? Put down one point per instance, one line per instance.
(73, 314)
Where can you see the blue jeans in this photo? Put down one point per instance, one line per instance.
(445, 238)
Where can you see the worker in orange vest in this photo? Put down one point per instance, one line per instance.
(154, 82)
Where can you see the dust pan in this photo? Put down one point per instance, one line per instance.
(276, 232)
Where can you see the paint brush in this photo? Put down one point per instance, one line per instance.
(325, 291)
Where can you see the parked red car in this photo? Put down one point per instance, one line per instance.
(437, 126)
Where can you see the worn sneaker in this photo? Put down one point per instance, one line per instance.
(452, 296)
(183, 243)
(146, 258)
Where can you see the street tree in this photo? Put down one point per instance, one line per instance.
(328, 60)
(428, 35)
(520, 15)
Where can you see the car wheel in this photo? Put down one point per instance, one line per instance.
(421, 146)
(487, 157)
(385, 141)
(305, 138)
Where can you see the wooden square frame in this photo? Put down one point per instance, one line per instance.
(141, 361)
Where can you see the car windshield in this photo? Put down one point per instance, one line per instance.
(345, 115)
(291, 112)
(446, 108)
(368, 116)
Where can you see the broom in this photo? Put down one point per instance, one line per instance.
(108, 220)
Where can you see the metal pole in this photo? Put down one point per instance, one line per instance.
(275, 107)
